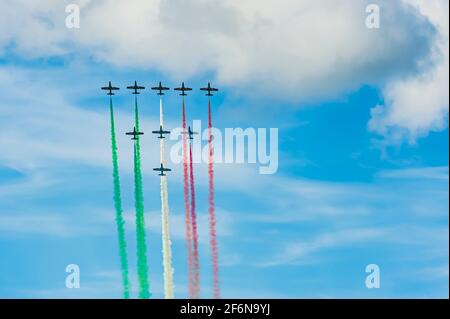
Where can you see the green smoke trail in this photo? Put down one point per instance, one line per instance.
(140, 223)
(118, 207)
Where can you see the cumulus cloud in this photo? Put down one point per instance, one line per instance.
(418, 104)
(301, 49)
(32, 28)
(295, 51)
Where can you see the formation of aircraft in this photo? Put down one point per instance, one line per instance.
(135, 87)
(135, 134)
(161, 170)
(161, 132)
(183, 88)
(110, 88)
(160, 88)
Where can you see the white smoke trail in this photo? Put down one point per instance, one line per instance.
(166, 243)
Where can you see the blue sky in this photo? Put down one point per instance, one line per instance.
(363, 145)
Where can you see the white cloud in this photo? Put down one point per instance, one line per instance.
(33, 28)
(294, 51)
(297, 50)
(418, 104)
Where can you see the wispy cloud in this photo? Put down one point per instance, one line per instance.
(299, 252)
(302, 252)
(439, 173)
(54, 224)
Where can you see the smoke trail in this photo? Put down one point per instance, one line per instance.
(140, 223)
(167, 251)
(211, 210)
(118, 207)
(196, 263)
(186, 206)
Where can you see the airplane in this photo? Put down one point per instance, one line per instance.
(135, 87)
(209, 89)
(134, 133)
(110, 88)
(190, 133)
(161, 170)
(160, 88)
(161, 132)
(183, 89)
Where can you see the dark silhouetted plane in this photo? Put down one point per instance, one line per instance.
(134, 133)
(161, 170)
(160, 88)
(190, 133)
(135, 87)
(110, 88)
(183, 89)
(161, 132)
(209, 89)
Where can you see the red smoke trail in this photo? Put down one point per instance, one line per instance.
(196, 262)
(191, 283)
(211, 211)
